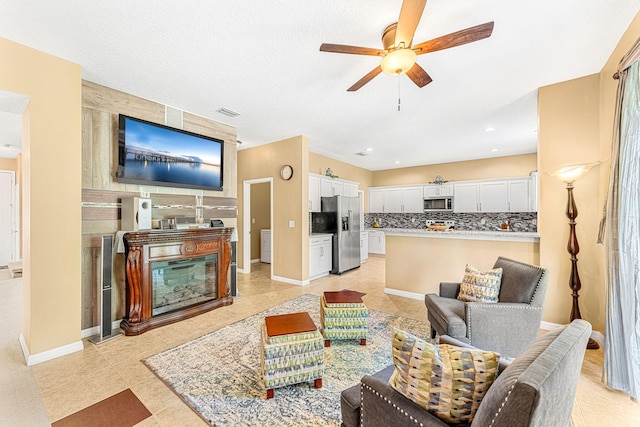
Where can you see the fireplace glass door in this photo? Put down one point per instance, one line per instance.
(181, 283)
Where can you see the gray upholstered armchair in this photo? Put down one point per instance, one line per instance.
(506, 327)
(537, 389)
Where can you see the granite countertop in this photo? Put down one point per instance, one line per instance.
(509, 236)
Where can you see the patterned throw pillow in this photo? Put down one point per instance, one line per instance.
(480, 286)
(447, 381)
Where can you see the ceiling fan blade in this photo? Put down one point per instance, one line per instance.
(419, 76)
(458, 38)
(410, 15)
(366, 79)
(355, 50)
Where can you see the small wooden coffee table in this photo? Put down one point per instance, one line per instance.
(344, 316)
(293, 351)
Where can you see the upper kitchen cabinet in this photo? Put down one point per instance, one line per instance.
(321, 186)
(437, 190)
(314, 193)
(465, 197)
(376, 200)
(396, 200)
(533, 192)
(499, 195)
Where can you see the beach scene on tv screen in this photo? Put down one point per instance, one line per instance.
(163, 155)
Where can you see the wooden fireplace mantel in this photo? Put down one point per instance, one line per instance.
(144, 247)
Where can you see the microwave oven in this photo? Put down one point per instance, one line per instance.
(440, 204)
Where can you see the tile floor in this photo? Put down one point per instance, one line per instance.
(72, 382)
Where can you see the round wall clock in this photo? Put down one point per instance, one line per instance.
(286, 172)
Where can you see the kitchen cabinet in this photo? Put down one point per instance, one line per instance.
(376, 242)
(314, 193)
(350, 189)
(320, 186)
(493, 196)
(364, 246)
(376, 200)
(327, 188)
(533, 192)
(438, 190)
(519, 198)
(465, 197)
(320, 255)
(499, 195)
(396, 200)
(265, 246)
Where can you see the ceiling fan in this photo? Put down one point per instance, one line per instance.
(399, 55)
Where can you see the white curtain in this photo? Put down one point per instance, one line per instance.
(622, 240)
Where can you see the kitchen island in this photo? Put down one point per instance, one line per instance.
(417, 260)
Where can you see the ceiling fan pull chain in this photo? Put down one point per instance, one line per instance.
(398, 79)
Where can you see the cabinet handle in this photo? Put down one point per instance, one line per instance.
(321, 251)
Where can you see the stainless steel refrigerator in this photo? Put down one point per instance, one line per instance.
(346, 238)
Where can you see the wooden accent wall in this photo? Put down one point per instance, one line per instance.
(102, 194)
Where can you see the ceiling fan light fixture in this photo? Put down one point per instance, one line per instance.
(398, 61)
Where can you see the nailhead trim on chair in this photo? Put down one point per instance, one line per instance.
(535, 290)
(397, 408)
(504, 401)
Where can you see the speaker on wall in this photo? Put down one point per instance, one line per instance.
(135, 214)
(104, 291)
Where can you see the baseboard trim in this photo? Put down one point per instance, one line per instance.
(412, 295)
(596, 335)
(290, 281)
(34, 359)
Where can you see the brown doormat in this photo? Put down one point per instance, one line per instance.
(120, 410)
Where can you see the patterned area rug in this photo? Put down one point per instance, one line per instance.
(218, 374)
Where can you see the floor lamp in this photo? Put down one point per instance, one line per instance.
(569, 174)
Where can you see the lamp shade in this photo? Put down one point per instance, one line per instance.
(570, 173)
(398, 61)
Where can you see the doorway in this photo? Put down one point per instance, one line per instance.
(254, 209)
(8, 217)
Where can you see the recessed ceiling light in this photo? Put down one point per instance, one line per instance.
(493, 150)
(489, 129)
(396, 162)
(369, 149)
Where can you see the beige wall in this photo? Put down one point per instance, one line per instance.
(51, 184)
(569, 129)
(576, 124)
(260, 215)
(419, 264)
(8, 164)
(290, 255)
(496, 167)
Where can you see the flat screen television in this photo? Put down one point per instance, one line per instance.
(153, 154)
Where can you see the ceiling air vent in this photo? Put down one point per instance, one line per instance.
(228, 112)
(361, 154)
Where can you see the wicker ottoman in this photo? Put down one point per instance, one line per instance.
(292, 353)
(344, 317)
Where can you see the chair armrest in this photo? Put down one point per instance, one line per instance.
(449, 289)
(382, 406)
(507, 328)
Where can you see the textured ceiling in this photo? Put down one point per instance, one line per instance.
(262, 60)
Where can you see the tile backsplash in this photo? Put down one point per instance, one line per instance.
(482, 221)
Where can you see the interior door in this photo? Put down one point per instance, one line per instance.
(7, 219)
